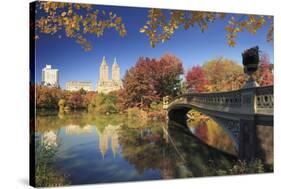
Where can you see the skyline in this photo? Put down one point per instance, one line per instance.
(191, 46)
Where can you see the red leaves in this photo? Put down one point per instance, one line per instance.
(151, 79)
(264, 73)
(202, 131)
(196, 79)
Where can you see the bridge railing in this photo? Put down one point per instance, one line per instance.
(264, 100)
(261, 100)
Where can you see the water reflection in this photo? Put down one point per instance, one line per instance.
(50, 139)
(77, 130)
(211, 133)
(94, 149)
(109, 133)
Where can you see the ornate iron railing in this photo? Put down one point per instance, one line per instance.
(232, 100)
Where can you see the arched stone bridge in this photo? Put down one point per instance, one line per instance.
(244, 114)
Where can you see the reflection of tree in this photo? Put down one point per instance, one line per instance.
(202, 131)
(183, 156)
(219, 138)
(198, 156)
(102, 121)
(45, 155)
(53, 122)
(151, 146)
(143, 147)
(50, 139)
(211, 133)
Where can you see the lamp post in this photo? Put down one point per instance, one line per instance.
(250, 63)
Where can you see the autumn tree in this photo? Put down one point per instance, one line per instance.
(75, 101)
(219, 74)
(88, 98)
(139, 87)
(162, 24)
(119, 100)
(74, 20)
(151, 79)
(103, 103)
(52, 98)
(223, 74)
(264, 75)
(47, 97)
(196, 80)
(167, 80)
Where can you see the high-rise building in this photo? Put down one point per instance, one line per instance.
(115, 71)
(77, 85)
(106, 85)
(50, 76)
(103, 70)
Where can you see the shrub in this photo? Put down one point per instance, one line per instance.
(136, 114)
(103, 103)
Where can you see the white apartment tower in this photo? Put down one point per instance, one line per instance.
(50, 76)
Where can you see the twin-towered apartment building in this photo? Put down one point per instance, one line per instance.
(50, 77)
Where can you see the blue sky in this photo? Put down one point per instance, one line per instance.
(191, 46)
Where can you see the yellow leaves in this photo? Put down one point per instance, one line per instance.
(53, 5)
(75, 24)
(70, 12)
(161, 27)
(251, 19)
(221, 15)
(118, 20)
(152, 44)
(186, 26)
(231, 43)
(229, 28)
(77, 6)
(142, 30)
(237, 30)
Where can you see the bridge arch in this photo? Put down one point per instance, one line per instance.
(179, 113)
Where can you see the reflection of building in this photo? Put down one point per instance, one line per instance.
(105, 85)
(50, 76)
(77, 130)
(110, 132)
(103, 143)
(77, 85)
(50, 139)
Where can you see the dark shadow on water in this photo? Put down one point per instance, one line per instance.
(184, 130)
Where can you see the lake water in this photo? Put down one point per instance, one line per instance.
(99, 149)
